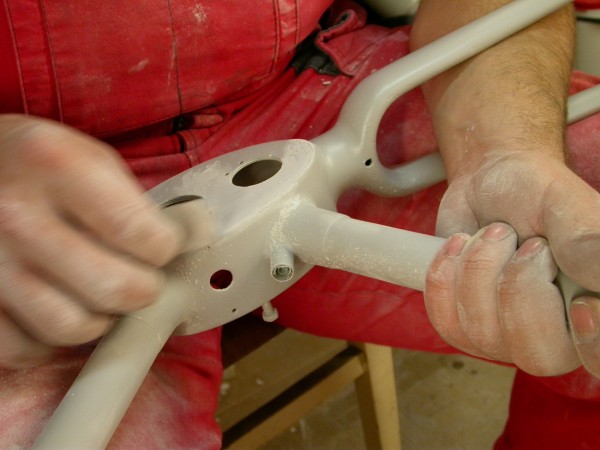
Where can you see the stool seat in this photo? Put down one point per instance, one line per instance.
(275, 376)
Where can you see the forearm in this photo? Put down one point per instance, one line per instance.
(511, 96)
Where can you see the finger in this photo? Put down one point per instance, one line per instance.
(95, 187)
(102, 280)
(440, 298)
(585, 320)
(45, 313)
(532, 313)
(481, 265)
(454, 214)
(18, 350)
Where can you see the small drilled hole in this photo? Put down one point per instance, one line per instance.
(368, 162)
(221, 279)
(256, 172)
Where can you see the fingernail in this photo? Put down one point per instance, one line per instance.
(584, 321)
(530, 249)
(496, 232)
(455, 245)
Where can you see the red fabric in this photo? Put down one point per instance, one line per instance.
(32, 55)
(112, 66)
(10, 99)
(587, 4)
(180, 394)
(173, 409)
(543, 419)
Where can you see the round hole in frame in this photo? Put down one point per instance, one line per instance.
(256, 172)
(221, 279)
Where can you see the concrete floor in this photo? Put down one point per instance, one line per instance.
(446, 403)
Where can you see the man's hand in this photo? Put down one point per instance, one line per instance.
(79, 242)
(492, 294)
(500, 123)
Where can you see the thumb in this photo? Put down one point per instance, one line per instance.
(571, 223)
(455, 215)
(585, 321)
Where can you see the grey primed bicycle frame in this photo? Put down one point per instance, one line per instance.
(259, 218)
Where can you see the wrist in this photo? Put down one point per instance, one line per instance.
(478, 113)
(510, 97)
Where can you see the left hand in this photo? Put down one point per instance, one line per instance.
(490, 292)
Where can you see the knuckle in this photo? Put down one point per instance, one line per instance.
(46, 146)
(446, 331)
(511, 280)
(36, 146)
(537, 363)
(542, 350)
(509, 313)
(73, 328)
(45, 157)
(124, 226)
(483, 341)
(124, 221)
(509, 294)
(64, 323)
(436, 281)
(127, 292)
(144, 291)
(53, 320)
(487, 339)
(167, 244)
(15, 218)
(139, 229)
(477, 264)
(439, 279)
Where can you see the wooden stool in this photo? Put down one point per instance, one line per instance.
(275, 376)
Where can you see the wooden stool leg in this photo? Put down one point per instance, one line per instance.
(377, 399)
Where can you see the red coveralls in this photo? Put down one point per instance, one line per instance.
(172, 84)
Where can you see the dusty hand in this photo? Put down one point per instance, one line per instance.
(79, 242)
(492, 294)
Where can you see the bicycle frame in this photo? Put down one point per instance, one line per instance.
(259, 218)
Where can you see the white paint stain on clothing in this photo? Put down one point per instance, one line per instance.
(139, 66)
(198, 12)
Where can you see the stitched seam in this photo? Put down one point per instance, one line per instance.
(16, 50)
(297, 9)
(175, 59)
(51, 49)
(277, 34)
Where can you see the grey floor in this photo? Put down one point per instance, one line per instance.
(446, 403)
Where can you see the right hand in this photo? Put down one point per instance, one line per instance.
(79, 240)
